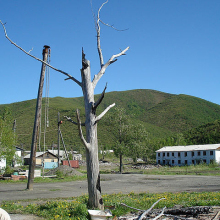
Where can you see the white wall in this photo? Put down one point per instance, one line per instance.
(2, 164)
(217, 156)
(187, 157)
(17, 155)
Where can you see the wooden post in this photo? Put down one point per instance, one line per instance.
(37, 122)
(58, 144)
(121, 165)
(64, 146)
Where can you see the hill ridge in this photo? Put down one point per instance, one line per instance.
(162, 114)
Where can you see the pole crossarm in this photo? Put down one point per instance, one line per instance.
(28, 53)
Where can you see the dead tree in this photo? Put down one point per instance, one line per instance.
(88, 87)
(91, 141)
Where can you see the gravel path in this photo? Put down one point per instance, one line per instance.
(112, 183)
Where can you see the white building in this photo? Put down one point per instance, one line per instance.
(2, 164)
(187, 155)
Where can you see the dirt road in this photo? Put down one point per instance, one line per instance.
(113, 183)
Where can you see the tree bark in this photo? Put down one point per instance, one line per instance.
(91, 144)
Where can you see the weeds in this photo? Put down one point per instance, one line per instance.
(76, 208)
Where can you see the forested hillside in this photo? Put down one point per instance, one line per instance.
(162, 114)
(204, 134)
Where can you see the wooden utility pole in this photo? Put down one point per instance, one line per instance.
(58, 141)
(37, 121)
(67, 156)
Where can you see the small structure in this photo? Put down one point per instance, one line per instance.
(19, 157)
(73, 163)
(77, 156)
(61, 153)
(46, 159)
(37, 173)
(187, 155)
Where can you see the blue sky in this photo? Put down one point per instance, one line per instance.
(174, 46)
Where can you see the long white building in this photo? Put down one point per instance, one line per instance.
(187, 155)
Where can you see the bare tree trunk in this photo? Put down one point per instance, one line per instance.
(92, 159)
(121, 165)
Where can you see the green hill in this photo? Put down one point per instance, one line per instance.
(161, 113)
(204, 134)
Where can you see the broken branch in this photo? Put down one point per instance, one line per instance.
(161, 214)
(98, 35)
(100, 98)
(104, 67)
(113, 58)
(80, 129)
(132, 207)
(98, 118)
(28, 53)
(70, 120)
(147, 211)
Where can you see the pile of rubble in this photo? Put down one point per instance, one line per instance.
(190, 213)
(143, 166)
(65, 170)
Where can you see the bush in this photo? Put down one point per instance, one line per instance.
(60, 174)
(8, 170)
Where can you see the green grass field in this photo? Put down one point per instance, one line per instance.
(76, 208)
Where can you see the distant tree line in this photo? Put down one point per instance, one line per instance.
(132, 140)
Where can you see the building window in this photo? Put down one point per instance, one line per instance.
(172, 161)
(193, 161)
(158, 161)
(199, 153)
(158, 154)
(204, 153)
(179, 161)
(178, 154)
(185, 162)
(164, 162)
(168, 154)
(172, 154)
(211, 153)
(163, 154)
(185, 154)
(204, 161)
(193, 154)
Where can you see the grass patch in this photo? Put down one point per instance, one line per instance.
(55, 190)
(200, 169)
(49, 180)
(76, 207)
(59, 179)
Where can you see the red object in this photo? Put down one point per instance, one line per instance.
(73, 163)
